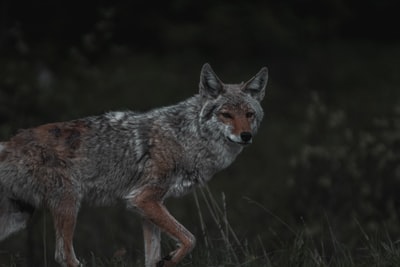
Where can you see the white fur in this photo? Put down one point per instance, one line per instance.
(115, 116)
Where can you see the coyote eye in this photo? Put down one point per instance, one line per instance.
(249, 115)
(226, 115)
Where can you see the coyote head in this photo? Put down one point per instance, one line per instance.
(232, 111)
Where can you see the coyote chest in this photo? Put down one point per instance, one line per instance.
(202, 166)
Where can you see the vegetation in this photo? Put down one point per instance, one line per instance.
(319, 185)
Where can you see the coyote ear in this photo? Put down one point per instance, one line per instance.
(210, 84)
(256, 85)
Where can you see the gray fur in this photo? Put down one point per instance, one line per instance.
(15, 219)
(114, 156)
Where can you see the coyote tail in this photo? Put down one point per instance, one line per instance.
(14, 215)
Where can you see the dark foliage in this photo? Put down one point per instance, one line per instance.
(324, 170)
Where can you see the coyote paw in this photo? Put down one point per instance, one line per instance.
(162, 262)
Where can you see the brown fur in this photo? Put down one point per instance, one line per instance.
(149, 203)
(141, 158)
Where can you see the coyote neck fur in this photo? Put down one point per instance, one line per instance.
(173, 144)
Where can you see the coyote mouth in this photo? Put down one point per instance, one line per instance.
(238, 142)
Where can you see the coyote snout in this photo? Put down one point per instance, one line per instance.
(243, 139)
(246, 137)
(140, 158)
(238, 123)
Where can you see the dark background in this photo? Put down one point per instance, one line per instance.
(326, 159)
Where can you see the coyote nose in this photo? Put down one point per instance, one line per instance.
(246, 136)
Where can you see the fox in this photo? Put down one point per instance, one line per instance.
(141, 158)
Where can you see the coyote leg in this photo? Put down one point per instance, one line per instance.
(149, 203)
(64, 222)
(152, 246)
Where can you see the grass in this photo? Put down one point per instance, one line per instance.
(223, 247)
(302, 249)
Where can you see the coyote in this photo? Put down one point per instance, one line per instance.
(140, 158)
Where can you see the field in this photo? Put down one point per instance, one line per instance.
(319, 185)
(219, 245)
